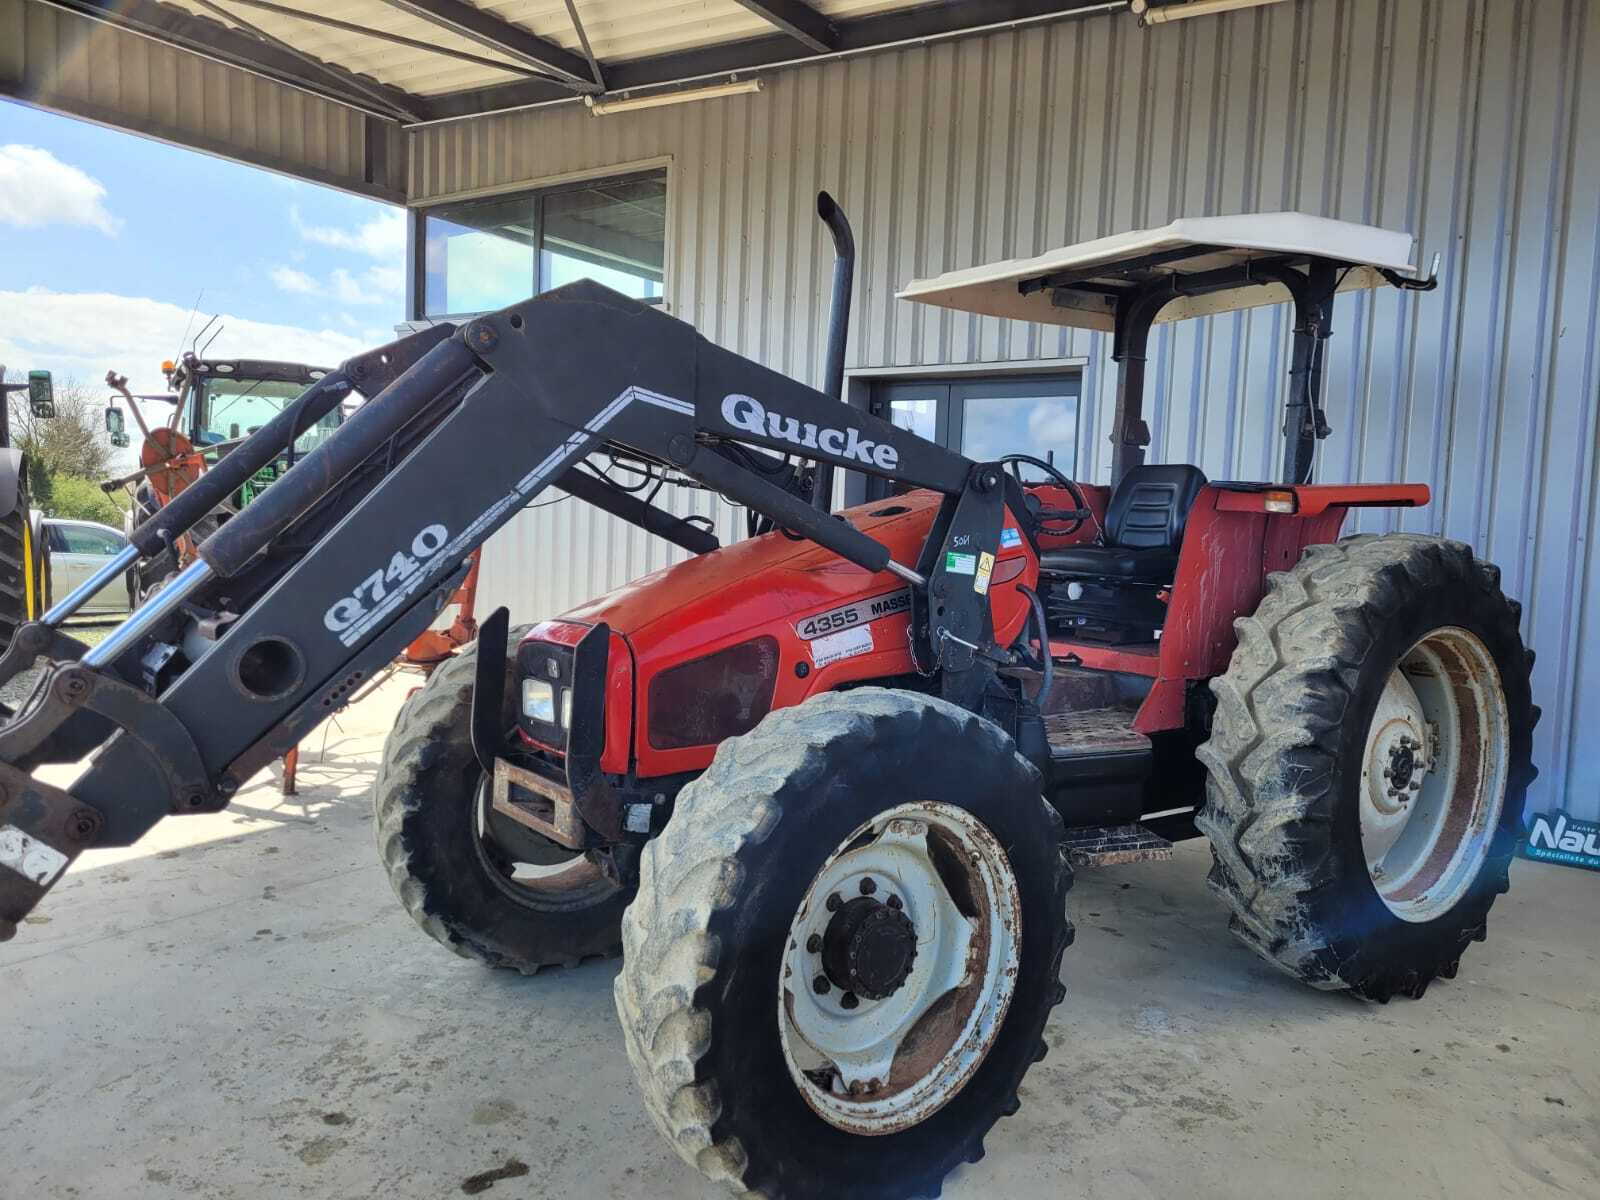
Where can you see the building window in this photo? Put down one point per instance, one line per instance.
(485, 254)
(987, 417)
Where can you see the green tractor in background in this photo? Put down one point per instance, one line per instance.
(22, 567)
(215, 404)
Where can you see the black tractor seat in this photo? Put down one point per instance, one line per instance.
(1109, 592)
(1143, 530)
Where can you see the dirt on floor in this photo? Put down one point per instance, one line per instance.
(238, 1007)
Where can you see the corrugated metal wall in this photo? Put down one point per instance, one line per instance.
(67, 63)
(1473, 123)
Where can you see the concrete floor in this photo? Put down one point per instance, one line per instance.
(237, 1007)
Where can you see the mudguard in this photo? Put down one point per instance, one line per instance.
(12, 469)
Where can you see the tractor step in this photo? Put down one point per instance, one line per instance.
(1097, 731)
(1113, 845)
(1098, 766)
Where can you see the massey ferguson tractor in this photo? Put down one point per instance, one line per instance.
(824, 788)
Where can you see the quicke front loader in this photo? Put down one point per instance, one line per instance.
(824, 788)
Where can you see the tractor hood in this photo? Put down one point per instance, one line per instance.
(751, 582)
(701, 650)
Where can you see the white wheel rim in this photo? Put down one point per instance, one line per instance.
(1434, 774)
(888, 1063)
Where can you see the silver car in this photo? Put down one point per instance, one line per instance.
(77, 550)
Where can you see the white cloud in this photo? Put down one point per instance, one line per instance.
(296, 283)
(346, 290)
(389, 280)
(85, 334)
(383, 237)
(37, 188)
(375, 285)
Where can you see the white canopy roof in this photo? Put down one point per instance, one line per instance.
(1087, 271)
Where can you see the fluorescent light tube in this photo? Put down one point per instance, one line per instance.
(625, 103)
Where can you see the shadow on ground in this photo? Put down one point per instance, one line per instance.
(238, 1007)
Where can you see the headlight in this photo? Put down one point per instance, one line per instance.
(566, 708)
(539, 700)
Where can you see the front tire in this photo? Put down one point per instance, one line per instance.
(1368, 761)
(506, 904)
(735, 929)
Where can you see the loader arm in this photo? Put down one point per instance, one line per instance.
(311, 590)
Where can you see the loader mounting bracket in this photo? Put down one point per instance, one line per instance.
(70, 687)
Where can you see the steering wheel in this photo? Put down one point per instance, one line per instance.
(1075, 517)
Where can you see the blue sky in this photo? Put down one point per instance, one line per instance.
(106, 240)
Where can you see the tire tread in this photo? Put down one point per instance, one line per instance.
(1287, 689)
(694, 870)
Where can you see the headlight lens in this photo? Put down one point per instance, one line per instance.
(539, 700)
(566, 708)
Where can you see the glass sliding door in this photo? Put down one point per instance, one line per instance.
(986, 417)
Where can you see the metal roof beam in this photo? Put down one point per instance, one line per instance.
(799, 20)
(588, 50)
(925, 22)
(399, 108)
(213, 40)
(300, 14)
(503, 37)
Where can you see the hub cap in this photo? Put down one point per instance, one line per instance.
(869, 948)
(1434, 774)
(899, 968)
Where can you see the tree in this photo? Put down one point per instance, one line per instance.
(79, 500)
(73, 442)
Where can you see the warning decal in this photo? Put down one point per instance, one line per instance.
(846, 643)
(980, 581)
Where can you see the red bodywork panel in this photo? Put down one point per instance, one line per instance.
(1230, 545)
(767, 585)
(772, 585)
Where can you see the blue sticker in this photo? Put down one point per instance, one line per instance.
(1010, 537)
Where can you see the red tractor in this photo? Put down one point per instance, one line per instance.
(824, 789)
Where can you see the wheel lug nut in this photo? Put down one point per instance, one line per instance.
(893, 901)
(814, 944)
(868, 886)
(834, 903)
(820, 985)
(848, 1000)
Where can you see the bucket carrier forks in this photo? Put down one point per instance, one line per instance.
(298, 600)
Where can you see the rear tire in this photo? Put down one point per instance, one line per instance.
(427, 806)
(21, 587)
(707, 993)
(1301, 780)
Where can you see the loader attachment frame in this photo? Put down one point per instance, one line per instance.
(307, 593)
